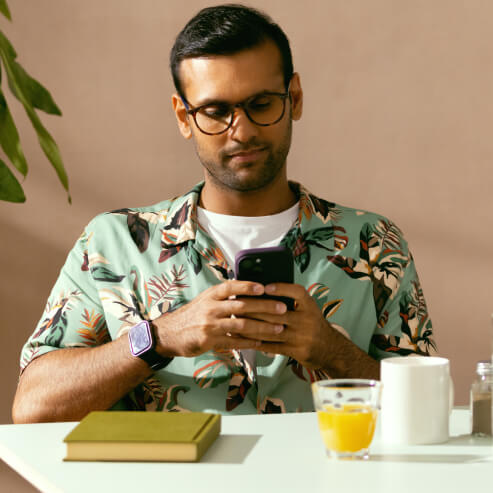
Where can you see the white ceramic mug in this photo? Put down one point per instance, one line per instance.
(417, 398)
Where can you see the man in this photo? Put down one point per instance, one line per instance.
(146, 313)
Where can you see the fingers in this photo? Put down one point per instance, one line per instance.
(230, 288)
(283, 320)
(248, 305)
(247, 288)
(295, 291)
(233, 342)
(251, 329)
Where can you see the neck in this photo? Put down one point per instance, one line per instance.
(272, 199)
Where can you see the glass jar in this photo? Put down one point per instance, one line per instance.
(481, 392)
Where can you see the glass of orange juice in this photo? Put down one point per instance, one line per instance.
(347, 412)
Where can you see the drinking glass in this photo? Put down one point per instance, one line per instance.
(347, 412)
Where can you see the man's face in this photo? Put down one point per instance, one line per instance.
(247, 156)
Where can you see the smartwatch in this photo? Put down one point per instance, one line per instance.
(142, 343)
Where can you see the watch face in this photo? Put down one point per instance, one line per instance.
(140, 338)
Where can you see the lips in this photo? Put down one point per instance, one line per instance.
(248, 155)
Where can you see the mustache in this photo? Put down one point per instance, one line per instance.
(250, 146)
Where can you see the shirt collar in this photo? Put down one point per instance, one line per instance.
(180, 224)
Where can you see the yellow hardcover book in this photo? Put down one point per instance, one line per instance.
(142, 436)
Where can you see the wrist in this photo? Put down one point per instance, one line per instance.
(164, 340)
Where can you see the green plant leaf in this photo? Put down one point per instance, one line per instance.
(7, 47)
(7, 54)
(33, 91)
(9, 137)
(10, 188)
(48, 145)
(35, 94)
(4, 9)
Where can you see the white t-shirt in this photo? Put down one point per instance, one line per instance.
(235, 233)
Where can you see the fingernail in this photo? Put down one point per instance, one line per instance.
(270, 288)
(278, 329)
(281, 307)
(258, 289)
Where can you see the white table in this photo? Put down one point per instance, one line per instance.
(269, 453)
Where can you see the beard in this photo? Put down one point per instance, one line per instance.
(248, 176)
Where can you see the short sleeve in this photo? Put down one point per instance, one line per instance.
(404, 326)
(73, 316)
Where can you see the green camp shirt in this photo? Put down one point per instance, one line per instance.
(135, 264)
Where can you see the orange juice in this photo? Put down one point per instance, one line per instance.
(349, 428)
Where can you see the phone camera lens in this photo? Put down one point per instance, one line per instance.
(247, 263)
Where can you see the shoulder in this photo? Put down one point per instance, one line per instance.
(355, 224)
(350, 218)
(147, 216)
(325, 210)
(358, 218)
(135, 225)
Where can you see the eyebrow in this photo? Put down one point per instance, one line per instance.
(212, 101)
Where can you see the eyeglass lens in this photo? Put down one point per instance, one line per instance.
(264, 109)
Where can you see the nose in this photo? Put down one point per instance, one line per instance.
(242, 129)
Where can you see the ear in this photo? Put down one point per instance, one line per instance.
(296, 94)
(181, 116)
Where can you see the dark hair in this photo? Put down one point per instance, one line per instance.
(224, 30)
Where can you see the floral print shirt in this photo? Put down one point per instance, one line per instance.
(135, 264)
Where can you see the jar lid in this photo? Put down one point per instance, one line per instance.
(484, 367)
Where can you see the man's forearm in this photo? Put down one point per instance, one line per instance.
(66, 384)
(348, 361)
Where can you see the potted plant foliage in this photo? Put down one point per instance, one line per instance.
(33, 96)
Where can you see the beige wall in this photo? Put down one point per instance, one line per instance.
(397, 119)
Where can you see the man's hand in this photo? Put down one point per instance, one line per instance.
(311, 340)
(307, 335)
(206, 323)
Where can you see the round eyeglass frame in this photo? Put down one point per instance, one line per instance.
(242, 104)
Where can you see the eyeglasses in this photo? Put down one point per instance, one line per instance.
(263, 109)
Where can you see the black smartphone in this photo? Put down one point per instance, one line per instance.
(266, 265)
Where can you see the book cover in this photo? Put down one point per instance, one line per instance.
(142, 436)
